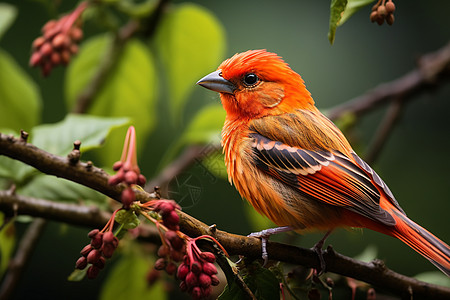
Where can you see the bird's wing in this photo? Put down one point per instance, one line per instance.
(327, 176)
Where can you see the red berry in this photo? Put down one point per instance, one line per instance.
(97, 240)
(204, 280)
(141, 180)
(108, 237)
(196, 292)
(160, 264)
(196, 267)
(46, 49)
(175, 241)
(60, 40)
(81, 263)
(92, 272)
(93, 233)
(209, 268)
(176, 255)
(131, 177)
(163, 251)
(214, 280)
(164, 207)
(390, 7)
(191, 280)
(65, 56)
(128, 197)
(35, 59)
(116, 179)
(183, 286)
(208, 256)
(85, 251)
(381, 10)
(93, 256)
(182, 271)
(117, 165)
(171, 268)
(108, 250)
(100, 263)
(76, 34)
(37, 43)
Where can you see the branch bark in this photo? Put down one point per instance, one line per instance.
(374, 273)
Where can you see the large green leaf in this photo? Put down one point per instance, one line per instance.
(204, 128)
(337, 8)
(58, 189)
(20, 100)
(191, 42)
(127, 281)
(130, 89)
(58, 138)
(7, 15)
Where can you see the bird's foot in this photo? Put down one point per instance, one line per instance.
(319, 251)
(264, 235)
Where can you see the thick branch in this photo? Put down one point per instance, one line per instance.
(373, 273)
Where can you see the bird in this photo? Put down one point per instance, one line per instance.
(294, 165)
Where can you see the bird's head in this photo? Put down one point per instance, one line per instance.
(257, 83)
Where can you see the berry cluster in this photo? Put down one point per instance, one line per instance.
(197, 272)
(102, 246)
(170, 252)
(383, 11)
(127, 169)
(59, 41)
(170, 218)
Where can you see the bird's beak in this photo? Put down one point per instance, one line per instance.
(214, 81)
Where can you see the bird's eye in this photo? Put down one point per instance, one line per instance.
(251, 79)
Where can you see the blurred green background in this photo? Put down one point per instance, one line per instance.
(414, 162)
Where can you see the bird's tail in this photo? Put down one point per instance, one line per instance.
(422, 241)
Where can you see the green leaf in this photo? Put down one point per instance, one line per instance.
(434, 277)
(8, 14)
(127, 218)
(337, 8)
(264, 284)
(7, 243)
(369, 254)
(204, 128)
(58, 189)
(58, 138)
(19, 96)
(352, 7)
(191, 42)
(130, 89)
(127, 280)
(232, 292)
(77, 275)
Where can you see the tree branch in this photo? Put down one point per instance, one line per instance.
(374, 273)
(432, 69)
(23, 254)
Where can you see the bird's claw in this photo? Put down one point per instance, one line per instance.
(264, 236)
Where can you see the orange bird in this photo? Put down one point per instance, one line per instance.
(295, 166)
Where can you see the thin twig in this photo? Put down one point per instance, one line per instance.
(432, 69)
(188, 157)
(385, 129)
(21, 258)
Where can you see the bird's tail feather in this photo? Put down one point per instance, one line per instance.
(422, 241)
